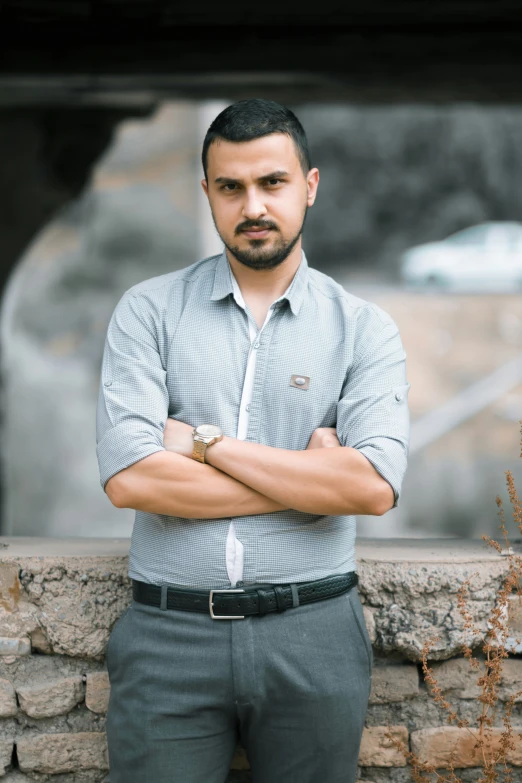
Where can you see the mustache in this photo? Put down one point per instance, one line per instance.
(255, 224)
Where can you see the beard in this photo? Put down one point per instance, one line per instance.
(257, 256)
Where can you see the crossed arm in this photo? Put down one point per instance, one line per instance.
(152, 453)
(241, 478)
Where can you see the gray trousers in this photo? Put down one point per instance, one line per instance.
(292, 688)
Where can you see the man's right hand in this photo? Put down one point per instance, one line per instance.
(323, 438)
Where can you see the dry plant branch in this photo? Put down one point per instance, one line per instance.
(494, 748)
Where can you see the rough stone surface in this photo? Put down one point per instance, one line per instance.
(434, 746)
(403, 775)
(66, 604)
(27, 669)
(87, 776)
(97, 692)
(397, 775)
(6, 752)
(40, 642)
(9, 587)
(457, 677)
(379, 751)
(8, 705)
(423, 712)
(46, 699)
(15, 646)
(458, 680)
(369, 619)
(58, 753)
(71, 600)
(511, 682)
(394, 683)
(515, 615)
(78, 721)
(411, 591)
(71, 594)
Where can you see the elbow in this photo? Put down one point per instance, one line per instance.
(383, 499)
(376, 500)
(117, 492)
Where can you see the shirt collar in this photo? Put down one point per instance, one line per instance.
(223, 283)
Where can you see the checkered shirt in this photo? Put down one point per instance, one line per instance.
(177, 345)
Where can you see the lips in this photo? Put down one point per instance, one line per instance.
(256, 233)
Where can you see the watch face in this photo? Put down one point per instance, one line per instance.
(208, 430)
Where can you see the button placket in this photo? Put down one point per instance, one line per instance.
(243, 528)
(243, 531)
(258, 385)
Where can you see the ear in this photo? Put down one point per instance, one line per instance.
(312, 183)
(204, 185)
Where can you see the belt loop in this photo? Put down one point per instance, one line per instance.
(280, 598)
(263, 598)
(295, 596)
(163, 600)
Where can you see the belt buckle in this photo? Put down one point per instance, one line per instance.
(224, 616)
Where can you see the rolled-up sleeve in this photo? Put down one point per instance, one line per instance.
(372, 412)
(133, 399)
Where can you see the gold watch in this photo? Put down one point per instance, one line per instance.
(204, 436)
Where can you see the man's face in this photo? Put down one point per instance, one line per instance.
(259, 195)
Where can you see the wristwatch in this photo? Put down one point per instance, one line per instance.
(204, 436)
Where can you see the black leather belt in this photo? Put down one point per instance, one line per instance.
(236, 603)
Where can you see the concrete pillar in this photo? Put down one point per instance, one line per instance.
(209, 241)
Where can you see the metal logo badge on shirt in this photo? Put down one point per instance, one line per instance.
(300, 382)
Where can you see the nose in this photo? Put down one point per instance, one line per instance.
(253, 207)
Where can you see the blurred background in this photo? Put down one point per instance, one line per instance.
(419, 210)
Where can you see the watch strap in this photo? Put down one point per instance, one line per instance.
(198, 450)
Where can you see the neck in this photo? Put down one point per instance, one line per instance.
(269, 283)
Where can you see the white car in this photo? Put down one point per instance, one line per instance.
(486, 257)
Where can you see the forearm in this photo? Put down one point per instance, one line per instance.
(170, 484)
(317, 481)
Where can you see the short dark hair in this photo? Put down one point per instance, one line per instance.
(253, 118)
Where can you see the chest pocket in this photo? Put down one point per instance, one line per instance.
(297, 408)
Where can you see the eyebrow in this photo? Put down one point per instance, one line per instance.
(272, 175)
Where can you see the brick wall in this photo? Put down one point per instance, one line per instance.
(59, 600)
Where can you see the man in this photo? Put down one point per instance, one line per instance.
(249, 408)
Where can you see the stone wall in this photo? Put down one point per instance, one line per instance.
(59, 599)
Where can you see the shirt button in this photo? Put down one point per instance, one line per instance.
(247, 408)
(256, 345)
(398, 396)
(300, 381)
(107, 383)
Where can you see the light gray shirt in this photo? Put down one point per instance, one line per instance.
(177, 345)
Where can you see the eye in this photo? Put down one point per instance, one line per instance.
(273, 182)
(229, 187)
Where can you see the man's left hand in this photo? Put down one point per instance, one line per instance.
(177, 437)
(323, 438)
